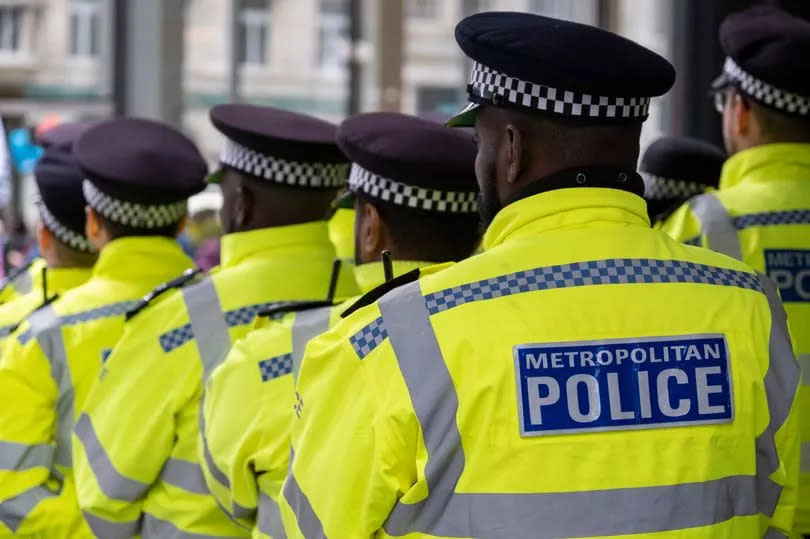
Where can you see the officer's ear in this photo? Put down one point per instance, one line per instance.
(44, 239)
(741, 109)
(370, 234)
(514, 153)
(94, 228)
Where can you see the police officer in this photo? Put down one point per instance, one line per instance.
(248, 399)
(539, 389)
(280, 172)
(674, 170)
(62, 240)
(23, 280)
(761, 212)
(138, 175)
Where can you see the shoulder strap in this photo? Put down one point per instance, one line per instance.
(188, 277)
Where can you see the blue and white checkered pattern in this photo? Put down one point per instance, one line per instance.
(596, 272)
(176, 338)
(790, 217)
(486, 82)
(766, 93)
(106, 311)
(275, 367)
(236, 317)
(368, 338)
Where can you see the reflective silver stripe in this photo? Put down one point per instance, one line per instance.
(240, 511)
(17, 456)
(108, 529)
(23, 283)
(308, 522)
(717, 225)
(156, 528)
(213, 469)
(805, 457)
(447, 513)
(307, 325)
(14, 510)
(46, 326)
(804, 365)
(113, 484)
(184, 474)
(269, 519)
(781, 382)
(774, 534)
(207, 323)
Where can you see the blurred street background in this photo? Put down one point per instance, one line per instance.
(69, 60)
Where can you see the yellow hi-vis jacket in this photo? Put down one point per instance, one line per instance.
(57, 280)
(145, 479)
(21, 281)
(245, 447)
(585, 376)
(46, 371)
(761, 215)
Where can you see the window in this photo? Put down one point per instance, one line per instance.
(253, 31)
(424, 9)
(85, 27)
(471, 7)
(10, 25)
(433, 101)
(333, 35)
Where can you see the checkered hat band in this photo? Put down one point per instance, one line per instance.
(486, 82)
(131, 214)
(765, 93)
(301, 174)
(411, 196)
(60, 231)
(659, 188)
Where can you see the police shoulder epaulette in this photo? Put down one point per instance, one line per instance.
(278, 311)
(382, 290)
(14, 274)
(189, 276)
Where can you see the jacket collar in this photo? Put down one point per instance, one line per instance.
(239, 246)
(564, 208)
(754, 163)
(62, 279)
(137, 258)
(370, 276)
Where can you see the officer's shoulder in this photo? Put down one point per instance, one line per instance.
(15, 274)
(188, 277)
(280, 310)
(409, 277)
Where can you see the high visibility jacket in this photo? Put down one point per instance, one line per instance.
(341, 233)
(57, 280)
(21, 281)
(46, 371)
(761, 215)
(145, 478)
(585, 376)
(245, 444)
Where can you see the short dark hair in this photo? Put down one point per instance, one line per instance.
(428, 236)
(117, 230)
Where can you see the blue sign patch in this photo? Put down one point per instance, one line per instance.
(623, 384)
(790, 270)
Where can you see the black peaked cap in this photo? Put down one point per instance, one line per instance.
(564, 54)
(278, 133)
(141, 161)
(770, 44)
(60, 187)
(410, 150)
(684, 158)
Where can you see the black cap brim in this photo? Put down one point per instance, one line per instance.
(465, 117)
